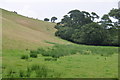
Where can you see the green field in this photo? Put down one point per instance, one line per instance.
(22, 34)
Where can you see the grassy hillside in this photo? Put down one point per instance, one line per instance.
(76, 61)
(23, 32)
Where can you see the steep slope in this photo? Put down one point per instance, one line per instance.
(20, 32)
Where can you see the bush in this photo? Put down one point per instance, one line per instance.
(50, 59)
(40, 71)
(56, 56)
(21, 73)
(11, 73)
(54, 59)
(24, 57)
(33, 55)
(60, 50)
(57, 51)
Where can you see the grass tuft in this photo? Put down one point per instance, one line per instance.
(24, 57)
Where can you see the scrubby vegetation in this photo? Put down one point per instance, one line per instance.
(59, 50)
(24, 57)
(39, 71)
(33, 54)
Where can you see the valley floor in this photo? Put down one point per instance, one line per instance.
(71, 66)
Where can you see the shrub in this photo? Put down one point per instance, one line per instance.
(11, 73)
(54, 59)
(50, 59)
(21, 73)
(60, 50)
(40, 71)
(56, 55)
(33, 55)
(28, 72)
(45, 54)
(47, 59)
(40, 51)
(33, 51)
(24, 57)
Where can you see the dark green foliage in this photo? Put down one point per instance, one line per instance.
(54, 59)
(59, 50)
(53, 19)
(56, 52)
(106, 22)
(65, 33)
(115, 13)
(48, 59)
(21, 73)
(33, 54)
(24, 57)
(80, 27)
(46, 19)
(92, 34)
(94, 15)
(15, 12)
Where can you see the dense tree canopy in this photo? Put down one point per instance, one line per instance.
(115, 13)
(80, 27)
(106, 22)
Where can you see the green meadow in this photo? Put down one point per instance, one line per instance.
(30, 49)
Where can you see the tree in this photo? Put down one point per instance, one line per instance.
(53, 19)
(65, 33)
(106, 22)
(80, 27)
(15, 12)
(115, 13)
(46, 19)
(94, 15)
(77, 17)
(91, 33)
(66, 19)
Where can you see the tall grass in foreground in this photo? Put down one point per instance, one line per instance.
(59, 50)
(35, 70)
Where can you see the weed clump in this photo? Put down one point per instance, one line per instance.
(50, 59)
(60, 50)
(33, 54)
(24, 57)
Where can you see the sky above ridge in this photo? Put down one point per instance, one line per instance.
(48, 8)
